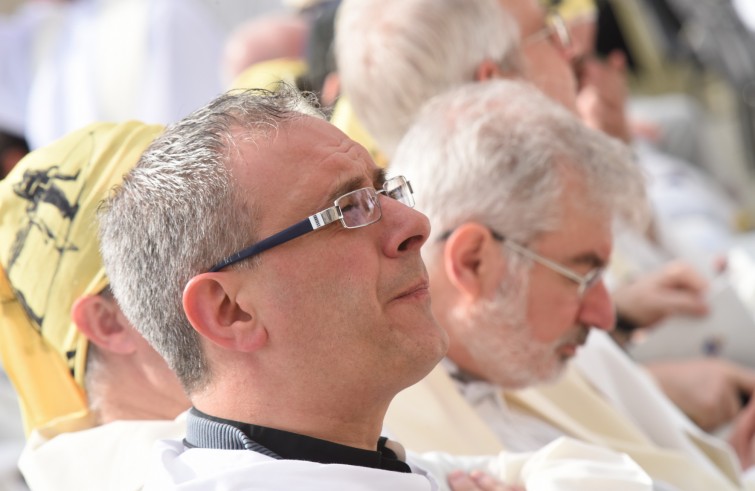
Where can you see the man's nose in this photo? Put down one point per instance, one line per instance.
(597, 308)
(405, 228)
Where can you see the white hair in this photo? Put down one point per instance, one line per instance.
(394, 55)
(496, 153)
(500, 153)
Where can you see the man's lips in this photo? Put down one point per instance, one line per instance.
(572, 343)
(570, 348)
(419, 289)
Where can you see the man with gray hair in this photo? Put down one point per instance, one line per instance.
(291, 348)
(522, 219)
(391, 60)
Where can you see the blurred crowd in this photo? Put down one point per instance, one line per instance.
(538, 270)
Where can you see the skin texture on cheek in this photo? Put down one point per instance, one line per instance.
(547, 70)
(546, 66)
(553, 311)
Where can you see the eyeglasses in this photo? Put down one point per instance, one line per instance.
(555, 29)
(584, 282)
(354, 209)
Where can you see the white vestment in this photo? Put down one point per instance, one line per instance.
(565, 465)
(178, 468)
(111, 457)
(11, 437)
(117, 457)
(606, 401)
(17, 51)
(108, 60)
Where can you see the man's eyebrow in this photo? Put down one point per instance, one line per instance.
(346, 187)
(589, 258)
(378, 178)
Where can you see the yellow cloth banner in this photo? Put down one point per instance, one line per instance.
(49, 257)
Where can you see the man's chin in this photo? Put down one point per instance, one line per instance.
(533, 378)
(555, 372)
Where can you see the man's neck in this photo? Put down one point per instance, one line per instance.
(205, 431)
(332, 418)
(114, 396)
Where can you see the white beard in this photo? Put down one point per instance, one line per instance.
(498, 337)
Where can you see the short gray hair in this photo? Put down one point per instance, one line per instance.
(178, 212)
(495, 153)
(395, 55)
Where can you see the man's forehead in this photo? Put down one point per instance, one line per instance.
(342, 186)
(308, 160)
(302, 143)
(584, 236)
(332, 154)
(583, 231)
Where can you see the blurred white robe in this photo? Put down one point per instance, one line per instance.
(433, 415)
(110, 60)
(178, 468)
(111, 457)
(565, 465)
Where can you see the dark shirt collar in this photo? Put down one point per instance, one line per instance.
(292, 446)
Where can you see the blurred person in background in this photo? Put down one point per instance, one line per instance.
(380, 48)
(88, 383)
(106, 60)
(12, 150)
(294, 48)
(522, 220)
(268, 38)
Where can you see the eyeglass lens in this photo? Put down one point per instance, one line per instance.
(361, 207)
(400, 189)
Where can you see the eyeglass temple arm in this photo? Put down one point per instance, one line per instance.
(307, 225)
(528, 253)
(545, 262)
(537, 258)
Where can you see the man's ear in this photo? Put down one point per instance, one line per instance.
(100, 319)
(473, 261)
(489, 70)
(215, 306)
(331, 89)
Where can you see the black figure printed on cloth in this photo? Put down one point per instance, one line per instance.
(46, 190)
(39, 186)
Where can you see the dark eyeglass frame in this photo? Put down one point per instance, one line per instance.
(329, 215)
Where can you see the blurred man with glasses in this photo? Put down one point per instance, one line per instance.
(522, 218)
(394, 55)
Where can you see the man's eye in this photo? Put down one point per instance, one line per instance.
(396, 194)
